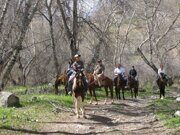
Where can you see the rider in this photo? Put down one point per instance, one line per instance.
(133, 73)
(119, 70)
(161, 73)
(99, 72)
(70, 69)
(78, 65)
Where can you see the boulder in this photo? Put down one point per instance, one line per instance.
(178, 99)
(177, 113)
(7, 99)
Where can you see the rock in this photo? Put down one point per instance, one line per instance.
(7, 99)
(177, 113)
(178, 99)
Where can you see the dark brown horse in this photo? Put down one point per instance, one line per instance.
(120, 84)
(78, 94)
(162, 82)
(133, 85)
(61, 80)
(93, 84)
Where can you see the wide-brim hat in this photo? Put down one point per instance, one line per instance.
(77, 55)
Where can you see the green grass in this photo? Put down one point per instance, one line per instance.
(35, 108)
(165, 110)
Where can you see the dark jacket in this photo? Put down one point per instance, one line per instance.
(133, 72)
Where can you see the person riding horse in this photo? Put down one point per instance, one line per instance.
(133, 73)
(162, 80)
(77, 66)
(99, 72)
(161, 73)
(119, 70)
(70, 68)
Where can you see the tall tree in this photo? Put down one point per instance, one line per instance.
(71, 34)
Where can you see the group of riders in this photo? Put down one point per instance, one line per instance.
(77, 65)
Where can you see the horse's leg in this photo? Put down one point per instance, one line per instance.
(66, 89)
(160, 92)
(123, 93)
(111, 91)
(119, 93)
(90, 92)
(116, 90)
(135, 92)
(163, 91)
(82, 107)
(78, 99)
(131, 91)
(76, 105)
(56, 86)
(94, 94)
(106, 89)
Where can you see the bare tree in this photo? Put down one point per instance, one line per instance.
(25, 18)
(70, 33)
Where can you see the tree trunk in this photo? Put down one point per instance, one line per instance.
(92, 62)
(151, 64)
(71, 36)
(50, 20)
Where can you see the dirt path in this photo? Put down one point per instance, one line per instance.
(129, 117)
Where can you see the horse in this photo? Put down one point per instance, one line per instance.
(61, 79)
(93, 84)
(162, 82)
(133, 85)
(78, 94)
(120, 84)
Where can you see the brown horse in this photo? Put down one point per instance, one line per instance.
(162, 82)
(120, 84)
(93, 84)
(61, 80)
(78, 94)
(133, 85)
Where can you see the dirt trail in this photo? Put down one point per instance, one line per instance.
(129, 117)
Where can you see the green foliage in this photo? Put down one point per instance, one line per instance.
(165, 110)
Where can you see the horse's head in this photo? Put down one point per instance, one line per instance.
(120, 77)
(170, 81)
(62, 78)
(79, 78)
(130, 77)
